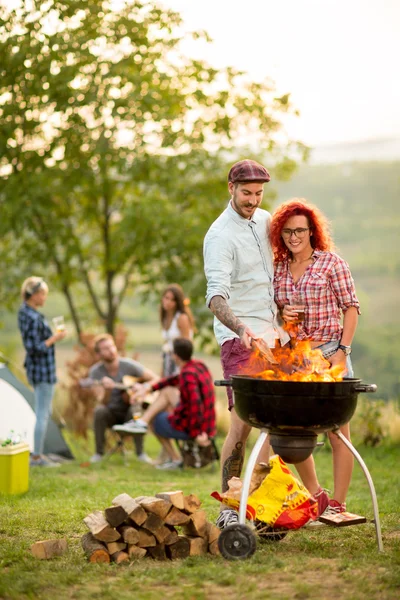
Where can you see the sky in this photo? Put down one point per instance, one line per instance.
(339, 59)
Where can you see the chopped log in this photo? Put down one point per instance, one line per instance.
(136, 552)
(198, 546)
(153, 522)
(176, 517)
(180, 549)
(114, 547)
(135, 512)
(197, 525)
(176, 498)
(46, 549)
(146, 539)
(156, 526)
(157, 506)
(192, 503)
(162, 534)
(129, 534)
(94, 550)
(120, 557)
(101, 530)
(213, 548)
(213, 532)
(171, 538)
(115, 515)
(138, 499)
(158, 552)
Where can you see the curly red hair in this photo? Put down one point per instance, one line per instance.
(321, 237)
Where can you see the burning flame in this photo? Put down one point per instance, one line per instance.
(300, 362)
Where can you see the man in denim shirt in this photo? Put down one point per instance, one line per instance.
(239, 269)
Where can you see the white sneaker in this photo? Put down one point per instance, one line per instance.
(145, 458)
(96, 458)
(227, 517)
(170, 465)
(42, 461)
(132, 426)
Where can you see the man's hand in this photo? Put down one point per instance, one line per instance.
(138, 392)
(202, 439)
(246, 336)
(108, 383)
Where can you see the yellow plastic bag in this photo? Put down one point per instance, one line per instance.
(280, 501)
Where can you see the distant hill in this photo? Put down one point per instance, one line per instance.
(382, 149)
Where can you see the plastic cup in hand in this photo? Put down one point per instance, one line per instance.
(59, 324)
(299, 305)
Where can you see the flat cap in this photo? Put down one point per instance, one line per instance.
(248, 170)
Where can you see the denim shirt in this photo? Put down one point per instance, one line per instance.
(238, 264)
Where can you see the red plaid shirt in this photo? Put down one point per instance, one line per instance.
(327, 288)
(195, 412)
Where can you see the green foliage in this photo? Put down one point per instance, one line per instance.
(110, 146)
(369, 424)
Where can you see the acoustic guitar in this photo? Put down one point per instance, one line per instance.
(127, 387)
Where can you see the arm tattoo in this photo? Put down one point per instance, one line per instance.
(220, 308)
(232, 467)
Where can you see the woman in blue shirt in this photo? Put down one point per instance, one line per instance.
(40, 366)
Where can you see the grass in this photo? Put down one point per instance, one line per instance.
(340, 563)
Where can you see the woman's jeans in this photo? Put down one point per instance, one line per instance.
(329, 348)
(43, 396)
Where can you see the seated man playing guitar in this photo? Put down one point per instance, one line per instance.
(192, 419)
(111, 372)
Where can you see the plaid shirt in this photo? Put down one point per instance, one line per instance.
(327, 288)
(195, 412)
(39, 362)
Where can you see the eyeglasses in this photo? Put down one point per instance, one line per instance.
(299, 232)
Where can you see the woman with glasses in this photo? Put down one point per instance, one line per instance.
(38, 341)
(306, 267)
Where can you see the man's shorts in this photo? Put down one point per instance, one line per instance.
(234, 357)
(163, 428)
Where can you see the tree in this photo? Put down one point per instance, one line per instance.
(114, 146)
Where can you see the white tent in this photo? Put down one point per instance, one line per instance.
(17, 415)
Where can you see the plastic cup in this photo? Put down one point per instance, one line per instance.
(59, 324)
(299, 305)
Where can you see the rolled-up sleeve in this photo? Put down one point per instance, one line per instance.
(343, 285)
(218, 266)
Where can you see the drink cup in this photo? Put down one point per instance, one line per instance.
(299, 305)
(59, 324)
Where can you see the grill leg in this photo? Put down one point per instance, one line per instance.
(371, 487)
(248, 473)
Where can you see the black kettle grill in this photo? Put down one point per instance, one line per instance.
(292, 414)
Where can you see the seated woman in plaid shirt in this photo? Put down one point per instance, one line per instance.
(38, 340)
(192, 419)
(306, 266)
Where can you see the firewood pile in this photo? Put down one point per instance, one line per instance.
(166, 526)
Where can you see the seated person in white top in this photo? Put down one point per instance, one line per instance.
(110, 371)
